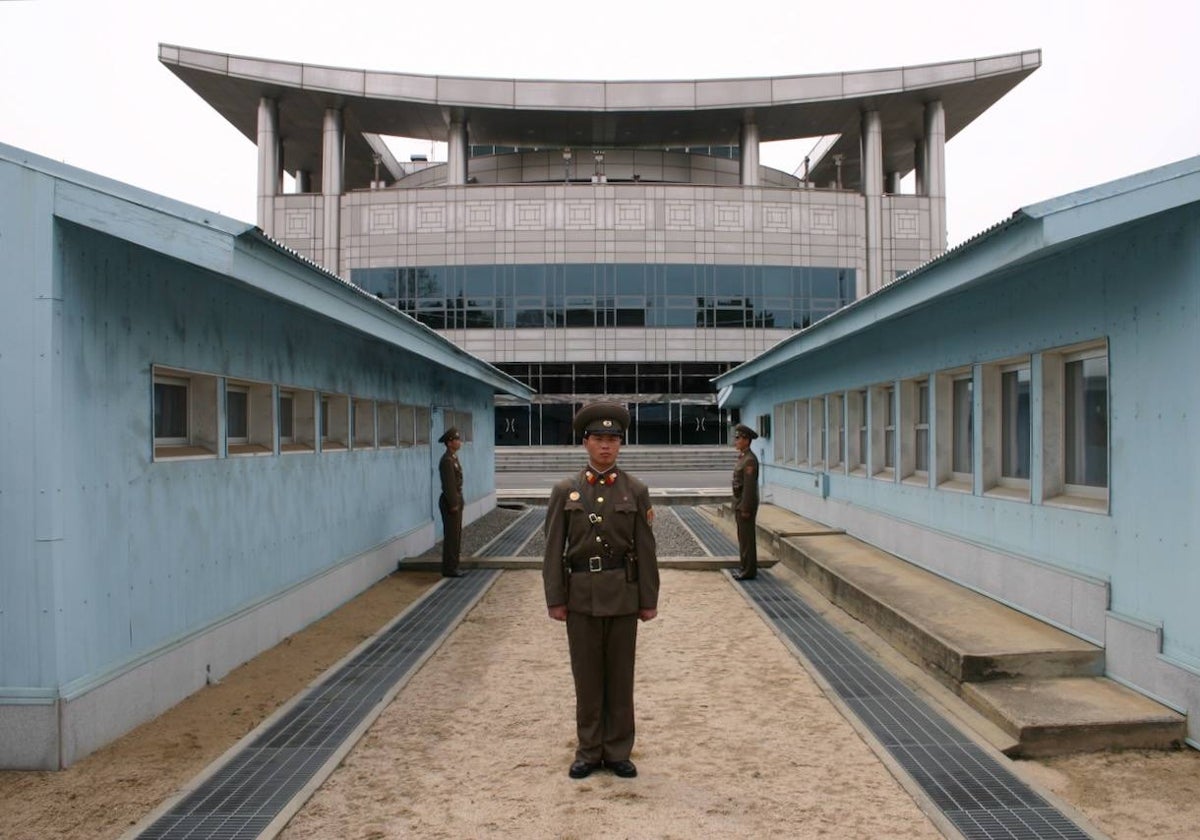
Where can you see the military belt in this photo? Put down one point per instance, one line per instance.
(595, 563)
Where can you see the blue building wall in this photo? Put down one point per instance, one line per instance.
(110, 557)
(1136, 285)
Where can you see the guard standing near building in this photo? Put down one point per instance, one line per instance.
(600, 572)
(745, 501)
(450, 503)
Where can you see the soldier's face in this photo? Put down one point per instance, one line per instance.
(602, 449)
(742, 443)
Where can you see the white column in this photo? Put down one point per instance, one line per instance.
(872, 187)
(749, 154)
(935, 173)
(331, 188)
(456, 151)
(919, 163)
(270, 169)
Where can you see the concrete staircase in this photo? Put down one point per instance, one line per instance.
(636, 459)
(1042, 687)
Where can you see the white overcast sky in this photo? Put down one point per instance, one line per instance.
(1117, 92)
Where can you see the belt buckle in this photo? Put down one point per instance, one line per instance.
(595, 564)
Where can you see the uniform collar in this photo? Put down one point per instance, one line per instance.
(594, 476)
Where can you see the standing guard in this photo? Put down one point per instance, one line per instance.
(600, 572)
(450, 502)
(745, 501)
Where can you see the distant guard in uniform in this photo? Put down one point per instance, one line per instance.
(450, 503)
(600, 572)
(745, 501)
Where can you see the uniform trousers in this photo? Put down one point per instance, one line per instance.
(603, 652)
(747, 545)
(451, 536)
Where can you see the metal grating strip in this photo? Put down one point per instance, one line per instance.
(708, 535)
(510, 540)
(980, 796)
(241, 798)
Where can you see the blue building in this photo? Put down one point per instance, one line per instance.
(208, 442)
(1017, 415)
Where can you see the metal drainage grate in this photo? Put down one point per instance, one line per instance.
(707, 534)
(510, 540)
(980, 796)
(247, 793)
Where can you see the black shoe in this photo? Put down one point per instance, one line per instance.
(453, 574)
(583, 769)
(742, 576)
(624, 768)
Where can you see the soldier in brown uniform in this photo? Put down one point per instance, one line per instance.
(745, 501)
(450, 503)
(600, 572)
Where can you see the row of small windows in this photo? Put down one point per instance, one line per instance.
(612, 295)
(199, 415)
(969, 429)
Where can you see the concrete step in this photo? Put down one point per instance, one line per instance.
(1052, 716)
(989, 654)
(633, 458)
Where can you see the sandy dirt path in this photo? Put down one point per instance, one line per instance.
(734, 738)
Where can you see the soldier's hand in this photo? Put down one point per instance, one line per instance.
(558, 612)
(647, 615)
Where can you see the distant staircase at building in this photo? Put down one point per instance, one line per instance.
(636, 459)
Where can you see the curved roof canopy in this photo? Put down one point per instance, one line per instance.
(595, 114)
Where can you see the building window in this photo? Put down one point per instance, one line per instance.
(1074, 443)
(362, 422)
(816, 417)
(406, 425)
(802, 453)
(237, 413)
(297, 421)
(883, 431)
(784, 442)
(387, 424)
(334, 422)
(953, 446)
(286, 418)
(962, 419)
(921, 429)
(835, 406)
(185, 414)
(248, 421)
(170, 411)
(856, 442)
(1085, 427)
(422, 422)
(1015, 423)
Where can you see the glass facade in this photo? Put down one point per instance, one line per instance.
(611, 295)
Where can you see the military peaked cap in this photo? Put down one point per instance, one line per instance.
(602, 418)
(449, 435)
(742, 430)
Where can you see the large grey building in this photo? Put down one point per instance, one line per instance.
(601, 237)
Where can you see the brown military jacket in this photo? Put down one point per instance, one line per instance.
(450, 472)
(745, 483)
(624, 510)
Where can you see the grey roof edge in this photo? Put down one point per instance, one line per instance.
(705, 93)
(430, 338)
(434, 343)
(1028, 231)
(126, 192)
